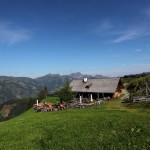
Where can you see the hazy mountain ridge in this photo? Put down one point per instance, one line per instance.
(17, 88)
(23, 87)
(55, 81)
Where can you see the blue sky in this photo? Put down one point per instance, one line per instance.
(108, 37)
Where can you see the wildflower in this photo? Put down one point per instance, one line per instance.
(132, 129)
(138, 130)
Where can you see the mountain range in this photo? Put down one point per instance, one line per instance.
(23, 87)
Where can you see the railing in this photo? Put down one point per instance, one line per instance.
(141, 99)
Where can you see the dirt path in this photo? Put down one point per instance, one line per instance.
(125, 93)
(116, 104)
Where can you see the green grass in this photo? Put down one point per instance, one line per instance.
(52, 99)
(111, 126)
(145, 106)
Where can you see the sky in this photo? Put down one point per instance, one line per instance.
(107, 37)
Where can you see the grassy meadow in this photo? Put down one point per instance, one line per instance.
(111, 126)
(52, 99)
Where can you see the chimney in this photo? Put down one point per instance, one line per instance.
(85, 80)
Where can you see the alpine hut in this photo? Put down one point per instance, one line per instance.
(97, 88)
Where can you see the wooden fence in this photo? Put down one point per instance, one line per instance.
(141, 99)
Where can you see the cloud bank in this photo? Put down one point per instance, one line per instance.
(10, 34)
(117, 32)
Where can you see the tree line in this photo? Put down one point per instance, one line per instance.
(65, 94)
(138, 85)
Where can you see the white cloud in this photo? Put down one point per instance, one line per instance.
(146, 12)
(103, 27)
(117, 32)
(138, 50)
(131, 33)
(10, 34)
(126, 36)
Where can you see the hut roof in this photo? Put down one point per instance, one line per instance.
(107, 85)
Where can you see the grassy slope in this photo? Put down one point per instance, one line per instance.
(110, 126)
(52, 99)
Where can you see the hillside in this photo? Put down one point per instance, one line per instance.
(13, 108)
(17, 88)
(111, 126)
(138, 85)
(22, 87)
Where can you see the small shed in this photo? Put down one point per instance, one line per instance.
(97, 88)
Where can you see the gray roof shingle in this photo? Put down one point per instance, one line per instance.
(107, 85)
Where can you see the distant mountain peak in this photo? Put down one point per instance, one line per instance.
(13, 87)
(76, 73)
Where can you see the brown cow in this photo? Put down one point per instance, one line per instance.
(40, 104)
(62, 107)
(49, 106)
(38, 107)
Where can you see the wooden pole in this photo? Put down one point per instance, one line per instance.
(91, 98)
(98, 96)
(80, 99)
(103, 95)
(37, 102)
